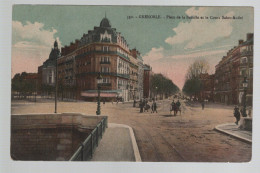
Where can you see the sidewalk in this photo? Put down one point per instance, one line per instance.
(233, 130)
(117, 144)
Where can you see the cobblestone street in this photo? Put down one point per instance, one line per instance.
(188, 137)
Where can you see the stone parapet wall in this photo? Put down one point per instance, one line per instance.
(49, 136)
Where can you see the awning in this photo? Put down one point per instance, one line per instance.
(91, 94)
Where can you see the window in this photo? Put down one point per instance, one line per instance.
(105, 69)
(251, 72)
(244, 60)
(105, 59)
(243, 72)
(106, 80)
(105, 48)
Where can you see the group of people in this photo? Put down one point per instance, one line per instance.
(144, 106)
(175, 107)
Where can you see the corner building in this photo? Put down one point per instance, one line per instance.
(104, 50)
(230, 73)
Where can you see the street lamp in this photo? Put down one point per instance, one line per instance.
(245, 84)
(56, 81)
(156, 88)
(99, 82)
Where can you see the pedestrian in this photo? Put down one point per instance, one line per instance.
(117, 99)
(202, 104)
(172, 106)
(141, 106)
(236, 114)
(134, 103)
(154, 107)
(104, 102)
(178, 105)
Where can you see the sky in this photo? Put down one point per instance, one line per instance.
(169, 45)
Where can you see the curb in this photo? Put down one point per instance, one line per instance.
(134, 144)
(217, 128)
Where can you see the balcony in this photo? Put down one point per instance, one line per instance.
(103, 52)
(106, 84)
(247, 53)
(127, 76)
(104, 62)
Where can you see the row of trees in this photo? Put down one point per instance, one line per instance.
(23, 87)
(162, 86)
(193, 84)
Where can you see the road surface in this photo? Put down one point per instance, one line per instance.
(160, 136)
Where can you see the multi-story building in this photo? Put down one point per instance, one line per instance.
(133, 83)
(230, 73)
(207, 87)
(147, 81)
(140, 74)
(66, 71)
(102, 50)
(47, 71)
(246, 68)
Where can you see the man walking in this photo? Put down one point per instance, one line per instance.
(172, 107)
(202, 104)
(154, 107)
(134, 103)
(141, 105)
(178, 105)
(237, 114)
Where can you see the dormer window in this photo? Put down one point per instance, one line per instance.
(105, 37)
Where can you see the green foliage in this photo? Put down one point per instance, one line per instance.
(192, 87)
(20, 84)
(162, 85)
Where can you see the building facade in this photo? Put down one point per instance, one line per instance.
(207, 87)
(102, 50)
(66, 71)
(147, 81)
(48, 70)
(140, 73)
(231, 71)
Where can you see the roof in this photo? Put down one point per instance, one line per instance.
(105, 22)
(139, 57)
(54, 54)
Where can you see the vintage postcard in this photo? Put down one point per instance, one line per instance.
(132, 83)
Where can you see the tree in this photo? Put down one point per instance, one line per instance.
(193, 84)
(192, 87)
(24, 86)
(162, 85)
(197, 68)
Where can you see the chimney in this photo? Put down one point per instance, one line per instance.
(249, 36)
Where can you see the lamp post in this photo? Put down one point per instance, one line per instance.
(56, 82)
(99, 81)
(156, 88)
(245, 84)
(35, 94)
